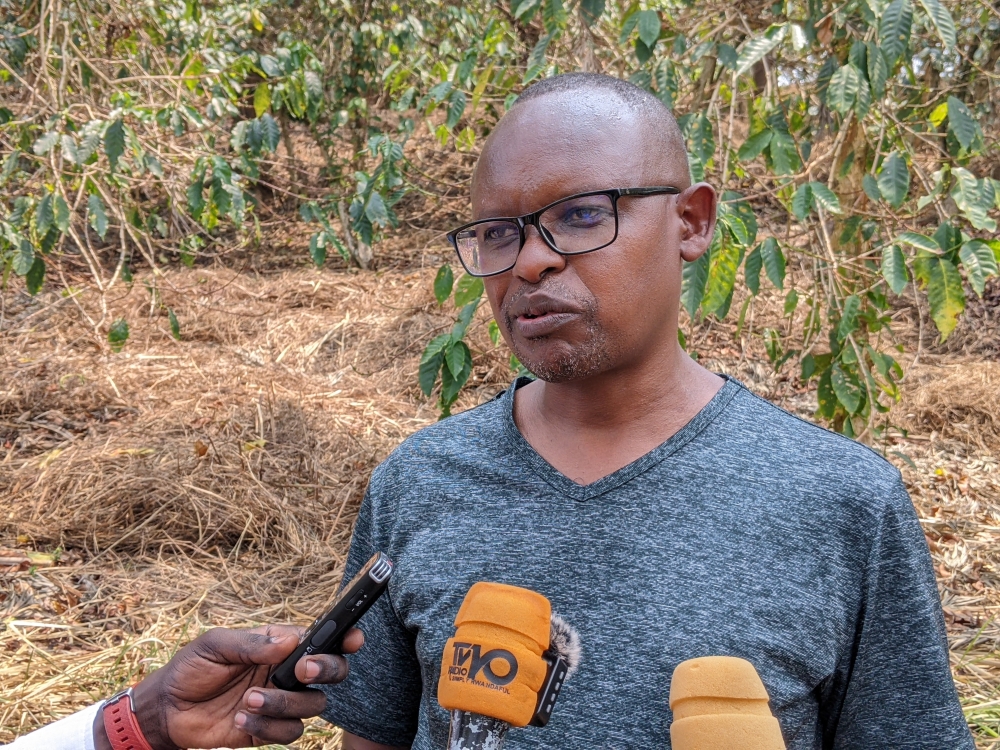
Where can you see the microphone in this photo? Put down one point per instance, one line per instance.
(505, 666)
(720, 703)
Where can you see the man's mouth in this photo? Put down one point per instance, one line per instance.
(541, 316)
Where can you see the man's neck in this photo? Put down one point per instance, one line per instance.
(591, 427)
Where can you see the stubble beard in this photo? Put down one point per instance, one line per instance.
(566, 363)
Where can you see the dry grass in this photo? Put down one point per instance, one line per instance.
(215, 480)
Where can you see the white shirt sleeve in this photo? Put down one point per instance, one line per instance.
(75, 732)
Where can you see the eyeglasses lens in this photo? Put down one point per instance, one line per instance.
(579, 225)
(575, 225)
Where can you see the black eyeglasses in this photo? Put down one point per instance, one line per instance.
(575, 225)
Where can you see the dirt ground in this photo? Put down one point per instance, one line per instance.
(148, 494)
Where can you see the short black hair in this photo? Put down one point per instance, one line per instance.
(637, 98)
(640, 101)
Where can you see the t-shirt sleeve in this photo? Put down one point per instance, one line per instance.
(380, 698)
(895, 689)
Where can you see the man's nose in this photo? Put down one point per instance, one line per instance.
(536, 258)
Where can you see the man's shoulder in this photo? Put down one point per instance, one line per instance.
(800, 448)
(460, 436)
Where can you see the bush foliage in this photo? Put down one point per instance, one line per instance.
(847, 140)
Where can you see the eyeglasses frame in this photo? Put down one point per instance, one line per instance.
(531, 219)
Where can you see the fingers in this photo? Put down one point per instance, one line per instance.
(269, 731)
(284, 704)
(353, 641)
(266, 645)
(321, 669)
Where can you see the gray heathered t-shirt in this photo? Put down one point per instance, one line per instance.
(749, 533)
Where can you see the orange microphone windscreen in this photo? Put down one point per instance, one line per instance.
(720, 703)
(493, 666)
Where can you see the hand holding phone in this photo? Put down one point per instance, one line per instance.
(327, 632)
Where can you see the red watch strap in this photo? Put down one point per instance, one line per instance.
(121, 725)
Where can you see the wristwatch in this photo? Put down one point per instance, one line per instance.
(121, 724)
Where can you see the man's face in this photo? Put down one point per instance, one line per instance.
(571, 317)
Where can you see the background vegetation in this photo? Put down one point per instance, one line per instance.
(141, 134)
(855, 145)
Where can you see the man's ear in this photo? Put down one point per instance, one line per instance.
(696, 210)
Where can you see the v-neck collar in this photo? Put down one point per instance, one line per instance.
(565, 485)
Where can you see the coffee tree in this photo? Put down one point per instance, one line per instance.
(847, 140)
(852, 128)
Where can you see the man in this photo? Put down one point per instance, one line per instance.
(665, 511)
(212, 693)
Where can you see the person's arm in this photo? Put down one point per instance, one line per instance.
(894, 688)
(213, 693)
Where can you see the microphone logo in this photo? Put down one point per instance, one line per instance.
(468, 662)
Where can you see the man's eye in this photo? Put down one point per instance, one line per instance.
(498, 233)
(585, 215)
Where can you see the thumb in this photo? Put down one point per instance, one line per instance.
(270, 644)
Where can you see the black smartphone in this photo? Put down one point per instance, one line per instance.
(326, 634)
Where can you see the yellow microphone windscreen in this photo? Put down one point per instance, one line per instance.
(493, 666)
(720, 703)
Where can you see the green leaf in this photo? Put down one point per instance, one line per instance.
(456, 357)
(757, 48)
(870, 185)
(591, 10)
(846, 388)
(894, 268)
(751, 269)
(450, 388)
(919, 241)
(175, 326)
(522, 8)
(945, 293)
(44, 215)
(431, 361)
(784, 156)
(754, 145)
(723, 262)
(894, 179)
(878, 70)
(271, 132)
(536, 60)
(262, 99)
(842, 93)
(825, 198)
(694, 276)
(443, 283)
(826, 398)
(376, 210)
(894, 30)
(943, 21)
(702, 137)
(494, 330)
(974, 198)
(317, 248)
(464, 319)
(469, 289)
(23, 258)
(456, 108)
(802, 201)
(961, 123)
(35, 276)
(118, 334)
(649, 26)
(60, 214)
(774, 261)
(849, 317)
(45, 144)
(979, 262)
(114, 142)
